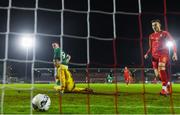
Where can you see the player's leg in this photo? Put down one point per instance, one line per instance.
(169, 85)
(156, 72)
(61, 79)
(163, 73)
(78, 89)
(111, 80)
(126, 80)
(155, 62)
(70, 82)
(82, 90)
(71, 85)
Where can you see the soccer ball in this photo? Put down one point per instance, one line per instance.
(41, 102)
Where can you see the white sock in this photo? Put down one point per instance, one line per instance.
(164, 87)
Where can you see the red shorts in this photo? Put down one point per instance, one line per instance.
(157, 59)
(126, 78)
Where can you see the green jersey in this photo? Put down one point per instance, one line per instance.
(58, 53)
(109, 78)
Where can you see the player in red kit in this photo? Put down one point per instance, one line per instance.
(160, 54)
(127, 75)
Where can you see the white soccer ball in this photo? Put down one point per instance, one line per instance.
(41, 102)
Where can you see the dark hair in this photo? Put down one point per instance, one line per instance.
(155, 20)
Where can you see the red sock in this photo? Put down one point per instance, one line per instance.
(163, 75)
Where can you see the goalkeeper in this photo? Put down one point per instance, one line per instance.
(64, 80)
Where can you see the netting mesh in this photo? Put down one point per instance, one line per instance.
(77, 25)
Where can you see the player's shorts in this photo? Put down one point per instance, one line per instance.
(126, 78)
(157, 59)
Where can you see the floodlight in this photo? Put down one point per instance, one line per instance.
(169, 44)
(27, 41)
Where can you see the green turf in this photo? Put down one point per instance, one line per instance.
(130, 100)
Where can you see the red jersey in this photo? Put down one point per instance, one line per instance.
(158, 43)
(126, 73)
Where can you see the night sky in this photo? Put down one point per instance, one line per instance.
(127, 44)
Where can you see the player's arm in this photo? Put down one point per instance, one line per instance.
(149, 50)
(68, 57)
(170, 38)
(130, 74)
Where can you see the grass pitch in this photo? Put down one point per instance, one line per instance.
(129, 100)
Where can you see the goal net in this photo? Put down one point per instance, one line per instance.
(101, 40)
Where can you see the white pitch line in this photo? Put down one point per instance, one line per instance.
(149, 106)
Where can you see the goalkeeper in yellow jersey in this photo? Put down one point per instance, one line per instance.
(64, 80)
